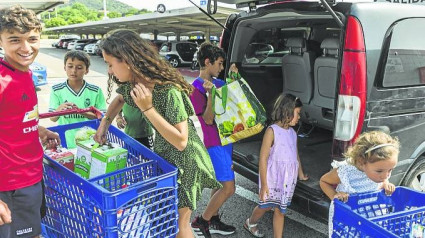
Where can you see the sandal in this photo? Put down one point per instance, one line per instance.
(249, 227)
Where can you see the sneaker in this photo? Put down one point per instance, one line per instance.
(200, 227)
(218, 227)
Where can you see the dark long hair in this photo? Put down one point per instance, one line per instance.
(283, 108)
(142, 58)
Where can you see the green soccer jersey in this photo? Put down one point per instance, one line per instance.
(89, 95)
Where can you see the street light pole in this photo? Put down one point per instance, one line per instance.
(104, 10)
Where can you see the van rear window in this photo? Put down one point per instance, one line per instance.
(405, 64)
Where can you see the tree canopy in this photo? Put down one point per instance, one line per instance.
(80, 11)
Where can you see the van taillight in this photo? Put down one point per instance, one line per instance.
(351, 104)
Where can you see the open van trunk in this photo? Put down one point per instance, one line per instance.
(361, 73)
(274, 47)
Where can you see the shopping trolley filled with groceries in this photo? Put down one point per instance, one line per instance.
(376, 214)
(136, 197)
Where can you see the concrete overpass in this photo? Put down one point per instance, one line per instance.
(185, 21)
(38, 6)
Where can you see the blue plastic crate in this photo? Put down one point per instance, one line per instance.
(137, 201)
(378, 215)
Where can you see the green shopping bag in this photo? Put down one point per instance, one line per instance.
(238, 112)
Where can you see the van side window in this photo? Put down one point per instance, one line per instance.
(406, 56)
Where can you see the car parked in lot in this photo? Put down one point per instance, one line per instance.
(63, 43)
(39, 72)
(356, 66)
(178, 52)
(82, 43)
(92, 47)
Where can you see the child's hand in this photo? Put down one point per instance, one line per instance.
(389, 188)
(142, 96)
(208, 86)
(66, 105)
(233, 68)
(48, 138)
(121, 123)
(341, 196)
(5, 214)
(264, 193)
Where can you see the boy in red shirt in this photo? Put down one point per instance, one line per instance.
(21, 152)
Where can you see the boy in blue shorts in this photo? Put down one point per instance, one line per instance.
(75, 92)
(211, 59)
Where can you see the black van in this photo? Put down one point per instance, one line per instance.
(355, 66)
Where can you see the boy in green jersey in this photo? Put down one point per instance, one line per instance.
(75, 92)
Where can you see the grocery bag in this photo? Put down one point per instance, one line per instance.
(238, 112)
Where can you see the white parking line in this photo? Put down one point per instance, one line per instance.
(293, 215)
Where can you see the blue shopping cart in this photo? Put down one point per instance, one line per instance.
(378, 215)
(137, 201)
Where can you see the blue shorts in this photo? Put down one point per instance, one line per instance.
(221, 158)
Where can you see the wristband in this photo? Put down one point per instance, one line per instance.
(107, 118)
(147, 109)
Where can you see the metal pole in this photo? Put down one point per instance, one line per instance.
(104, 10)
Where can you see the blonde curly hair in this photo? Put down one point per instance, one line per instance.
(371, 147)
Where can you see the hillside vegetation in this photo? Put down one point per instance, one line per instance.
(80, 11)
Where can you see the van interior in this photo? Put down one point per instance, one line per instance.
(298, 53)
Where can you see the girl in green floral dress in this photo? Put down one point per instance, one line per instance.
(161, 93)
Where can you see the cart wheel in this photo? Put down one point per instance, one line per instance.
(415, 178)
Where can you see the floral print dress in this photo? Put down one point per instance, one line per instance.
(195, 170)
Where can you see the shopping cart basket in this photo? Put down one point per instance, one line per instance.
(137, 201)
(378, 215)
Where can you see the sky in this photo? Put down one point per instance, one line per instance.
(169, 4)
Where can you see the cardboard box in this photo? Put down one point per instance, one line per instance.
(107, 158)
(62, 156)
(83, 158)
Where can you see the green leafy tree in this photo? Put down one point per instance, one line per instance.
(132, 12)
(54, 22)
(80, 11)
(114, 14)
(76, 20)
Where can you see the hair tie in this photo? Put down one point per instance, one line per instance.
(377, 147)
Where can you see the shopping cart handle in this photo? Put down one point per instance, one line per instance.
(98, 113)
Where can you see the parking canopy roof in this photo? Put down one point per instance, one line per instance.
(38, 6)
(178, 21)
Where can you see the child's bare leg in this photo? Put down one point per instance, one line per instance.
(278, 223)
(218, 197)
(256, 215)
(185, 231)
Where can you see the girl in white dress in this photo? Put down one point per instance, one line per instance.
(367, 168)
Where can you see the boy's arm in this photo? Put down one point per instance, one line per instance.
(100, 104)
(48, 138)
(208, 114)
(328, 181)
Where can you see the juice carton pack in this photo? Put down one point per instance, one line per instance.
(62, 156)
(107, 158)
(83, 159)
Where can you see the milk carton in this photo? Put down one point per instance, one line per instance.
(107, 158)
(83, 159)
(62, 156)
